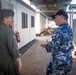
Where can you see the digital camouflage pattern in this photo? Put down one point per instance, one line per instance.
(61, 48)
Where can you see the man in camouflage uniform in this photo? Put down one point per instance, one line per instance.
(60, 46)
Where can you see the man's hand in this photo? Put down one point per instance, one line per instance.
(50, 31)
(43, 45)
(47, 41)
(75, 53)
(19, 63)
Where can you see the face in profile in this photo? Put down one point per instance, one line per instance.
(9, 20)
(58, 19)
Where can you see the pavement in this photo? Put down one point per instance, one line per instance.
(35, 59)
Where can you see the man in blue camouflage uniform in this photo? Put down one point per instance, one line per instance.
(60, 46)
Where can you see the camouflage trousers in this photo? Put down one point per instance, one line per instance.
(55, 71)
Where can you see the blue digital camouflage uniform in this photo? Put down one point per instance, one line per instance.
(61, 48)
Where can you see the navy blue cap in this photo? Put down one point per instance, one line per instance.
(61, 12)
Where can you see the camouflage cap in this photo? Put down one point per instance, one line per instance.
(7, 12)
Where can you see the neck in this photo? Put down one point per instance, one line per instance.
(5, 23)
(63, 22)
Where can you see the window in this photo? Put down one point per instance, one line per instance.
(32, 21)
(24, 20)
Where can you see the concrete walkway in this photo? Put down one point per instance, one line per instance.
(35, 59)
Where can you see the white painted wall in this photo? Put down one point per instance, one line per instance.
(37, 23)
(47, 23)
(5, 4)
(26, 34)
(41, 23)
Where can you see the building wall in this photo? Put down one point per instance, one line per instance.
(72, 22)
(41, 23)
(71, 17)
(74, 31)
(26, 34)
(37, 23)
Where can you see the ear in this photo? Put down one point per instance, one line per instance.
(5, 19)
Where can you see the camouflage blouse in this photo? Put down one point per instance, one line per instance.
(61, 47)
